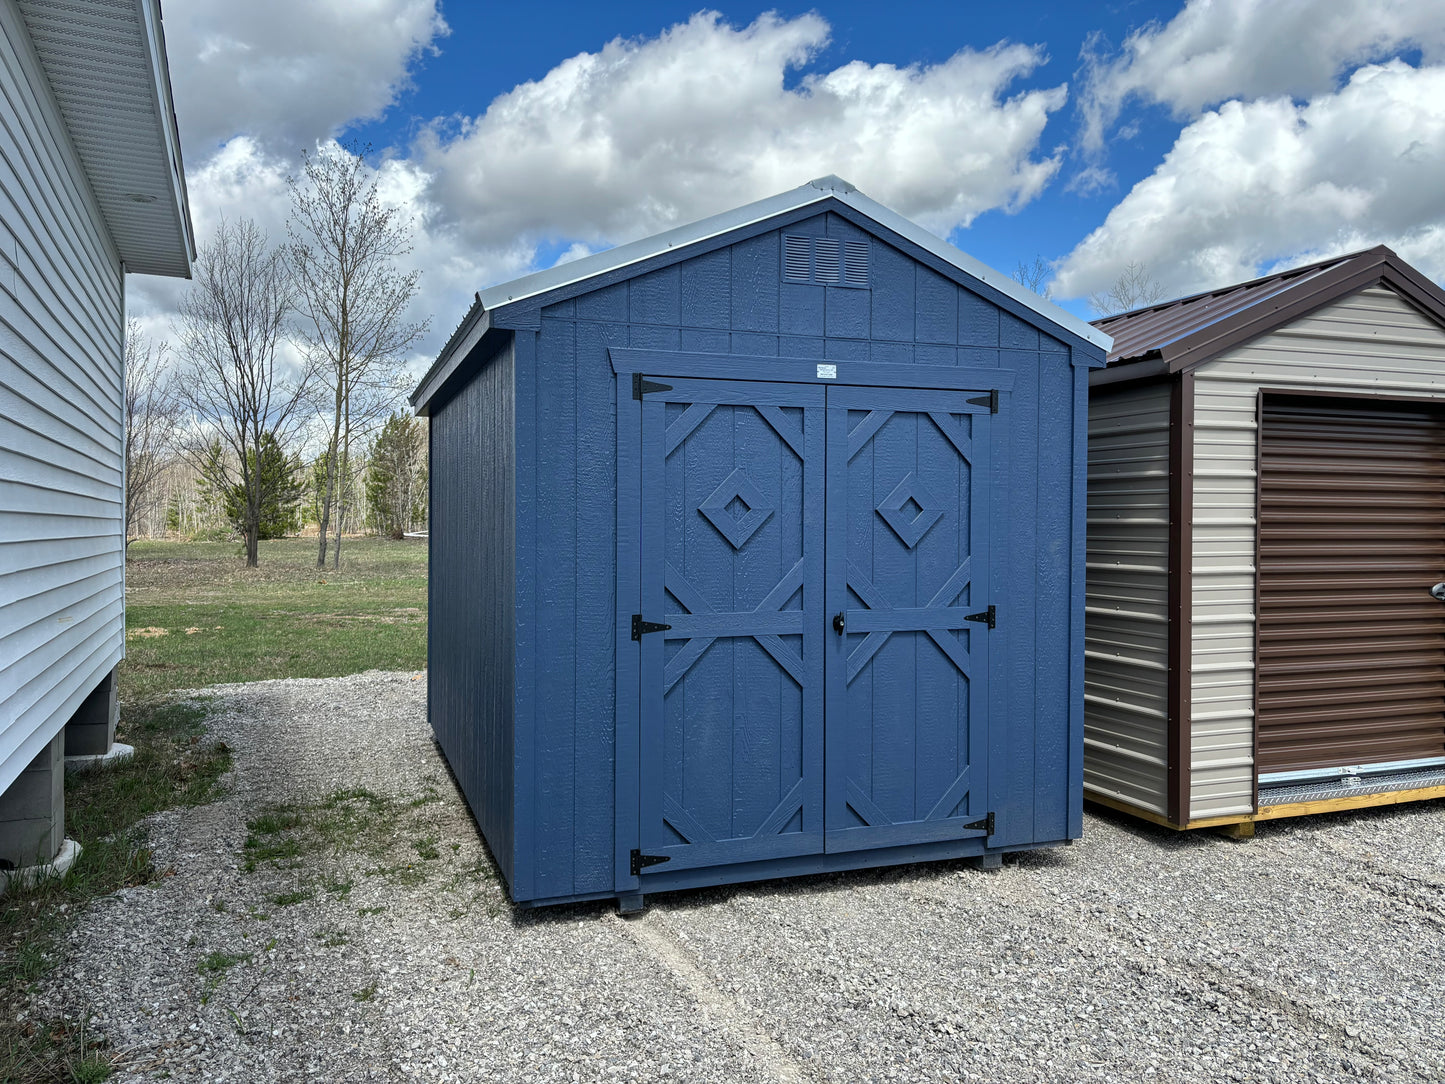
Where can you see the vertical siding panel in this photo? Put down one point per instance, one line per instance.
(978, 322)
(755, 278)
(1127, 597)
(555, 644)
(527, 580)
(707, 290)
(596, 645)
(1012, 763)
(936, 308)
(471, 642)
(655, 298)
(891, 295)
(1053, 574)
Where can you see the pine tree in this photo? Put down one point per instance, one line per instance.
(396, 476)
(278, 480)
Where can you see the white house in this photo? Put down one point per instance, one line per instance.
(91, 189)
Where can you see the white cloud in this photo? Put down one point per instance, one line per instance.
(1215, 50)
(647, 133)
(1266, 184)
(289, 72)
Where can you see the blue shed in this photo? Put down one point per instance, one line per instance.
(757, 549)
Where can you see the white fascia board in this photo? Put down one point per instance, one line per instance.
(155, 39)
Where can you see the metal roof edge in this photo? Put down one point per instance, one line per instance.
(474, 326)
(815, 191)
(613, 259)
(1349, 276)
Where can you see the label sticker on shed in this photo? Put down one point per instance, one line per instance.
(827, 372)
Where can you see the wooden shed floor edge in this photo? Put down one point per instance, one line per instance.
(1276, 812)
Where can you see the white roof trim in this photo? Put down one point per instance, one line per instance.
(509, 293)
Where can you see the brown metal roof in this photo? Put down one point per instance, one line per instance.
(1178, 335)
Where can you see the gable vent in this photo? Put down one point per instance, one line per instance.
(798, 259)
(855, 263)
(825, 261)
(826, 253)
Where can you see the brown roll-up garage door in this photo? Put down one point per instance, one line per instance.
(1351, 666)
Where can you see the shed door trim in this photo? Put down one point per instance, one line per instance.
(1351, 657)
(856, 415)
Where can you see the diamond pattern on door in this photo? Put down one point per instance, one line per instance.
(910, 510)
(736, 508)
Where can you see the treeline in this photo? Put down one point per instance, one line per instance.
(387, 496)
(277, 401)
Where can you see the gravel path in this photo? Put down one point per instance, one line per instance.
(1313, 953)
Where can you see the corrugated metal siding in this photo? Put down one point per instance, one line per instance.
(471, 627)
(1127, 598)
(1373, 342)
(61, 459)
(733, 300)
(1352, 533)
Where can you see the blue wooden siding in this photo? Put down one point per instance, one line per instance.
(732, 300)
(471, 627)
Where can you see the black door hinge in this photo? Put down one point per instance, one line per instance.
(641, 861)
(990, 400)
(641, 386)
(988, 617)
(983, 824)
(641, 628)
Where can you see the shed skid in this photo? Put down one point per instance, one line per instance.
(757, 552)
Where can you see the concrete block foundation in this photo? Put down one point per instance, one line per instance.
(32, 811)
(91, 730)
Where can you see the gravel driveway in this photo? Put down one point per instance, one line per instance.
(371, 940)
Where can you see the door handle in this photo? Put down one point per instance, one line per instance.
(1438, 592)
(838, 620)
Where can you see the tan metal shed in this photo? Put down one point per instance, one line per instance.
(1266, 519)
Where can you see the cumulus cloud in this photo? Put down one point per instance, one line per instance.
(1255, 186)
(647, 133)
(286, 73)
(1215, 50)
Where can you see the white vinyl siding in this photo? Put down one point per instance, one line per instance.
(1126, 631)
(61, 459)
(1371, 343)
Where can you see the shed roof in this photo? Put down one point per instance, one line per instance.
(106, 64)
(1178, 335)
(490, 301)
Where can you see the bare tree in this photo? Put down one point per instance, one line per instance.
(152, 413)
(1035, 276)
(232, 327)
(1133, 289)
(344, 245)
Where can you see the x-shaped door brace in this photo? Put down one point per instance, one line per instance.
(766, 623)
(881, 620)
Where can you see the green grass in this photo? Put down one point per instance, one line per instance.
(174, 765)
(224, 622)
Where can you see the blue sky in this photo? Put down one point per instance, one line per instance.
(1209, 141)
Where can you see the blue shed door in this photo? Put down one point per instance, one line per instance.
(816, 553)
(907, 565)
(732, 558)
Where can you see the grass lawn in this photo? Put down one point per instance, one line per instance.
(195, 615)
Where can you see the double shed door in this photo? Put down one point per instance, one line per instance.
(820, 557)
